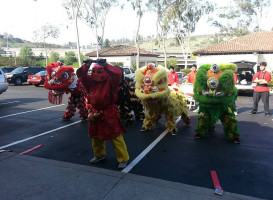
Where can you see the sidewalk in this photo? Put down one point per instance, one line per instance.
(26, 178)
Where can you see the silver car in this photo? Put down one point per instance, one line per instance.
(3, 82)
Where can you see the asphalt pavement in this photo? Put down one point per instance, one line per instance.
(172, 167)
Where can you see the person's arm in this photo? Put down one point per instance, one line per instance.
(82, 73)
(189, 78)
(114, 72)
(266, 79)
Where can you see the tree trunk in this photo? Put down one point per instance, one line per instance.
(78, 42)
(165, 52)
(136, 37)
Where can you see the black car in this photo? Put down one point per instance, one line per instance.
(7, 69)
(20, 74)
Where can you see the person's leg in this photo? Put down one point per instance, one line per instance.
(256, 99)
(82, 109)
(230, 127)
(98, 146)
(121, 149)
(70, 109)
(265, 99)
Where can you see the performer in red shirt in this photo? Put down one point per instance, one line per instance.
(104, 119)
(192, 74)
(261, 91)
(172, 77)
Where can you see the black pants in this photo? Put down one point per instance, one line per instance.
(265, 98)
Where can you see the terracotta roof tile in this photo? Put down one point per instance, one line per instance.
(121, 50)
(255, 42)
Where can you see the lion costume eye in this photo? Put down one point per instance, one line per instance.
(65, 75)
(147, 80)
(162, 81)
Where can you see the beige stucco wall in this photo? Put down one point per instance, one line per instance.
(217, 59)
(128, 60)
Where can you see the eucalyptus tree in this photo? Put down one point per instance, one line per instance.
(94, 13)
(138, 7)
(73, 9)
(184, 16)
(240, 17)
(45, 32)
(162, 9)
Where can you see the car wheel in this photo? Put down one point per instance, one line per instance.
(18, 81)
(37, 85)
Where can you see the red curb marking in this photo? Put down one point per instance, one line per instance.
(216, 183)
(32, 149)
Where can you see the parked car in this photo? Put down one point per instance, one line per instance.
(181, 77)
(245, 73)
(37, 79)
(129, 72)
(20, 74)
(7, 69)
(3, 82)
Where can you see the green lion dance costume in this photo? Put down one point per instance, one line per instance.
(157, 98)
(216, 93)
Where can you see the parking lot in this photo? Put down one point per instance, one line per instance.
(27, 119)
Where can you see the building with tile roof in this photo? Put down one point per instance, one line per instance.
(124, 54)
(256, 47)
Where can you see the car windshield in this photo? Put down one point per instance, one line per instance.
(41, 73)
(18, 70)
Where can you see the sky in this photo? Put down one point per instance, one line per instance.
(21, 18)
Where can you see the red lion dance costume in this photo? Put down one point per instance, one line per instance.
(104, 119)
(62, 79)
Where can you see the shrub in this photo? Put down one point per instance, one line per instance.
(186, 70)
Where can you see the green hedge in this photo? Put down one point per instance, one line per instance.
(185, 70)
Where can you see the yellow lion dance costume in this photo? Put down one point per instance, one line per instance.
(157, 98)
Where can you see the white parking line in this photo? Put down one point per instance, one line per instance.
(147, 150)
(44, 133)
(9, 102)
(30, 111)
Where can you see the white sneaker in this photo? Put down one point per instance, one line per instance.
(96, 160)
(235, 113)
(122, 165)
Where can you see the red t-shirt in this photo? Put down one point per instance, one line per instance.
(191, 77)
(173, 78)
(262, 75)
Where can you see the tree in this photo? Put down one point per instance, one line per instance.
(173, 62)
(137, 6)
(46, 31)
(161, 7)
(240, 17)
(94, 13)
(54, 56)
(73, 10)
(106, 43)
(70, 58)
(184, 16)
(26, 56)
(83, 57)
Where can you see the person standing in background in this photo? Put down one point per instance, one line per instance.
(192, 74)
(261, 91)
(173, 78)
(191, 79)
